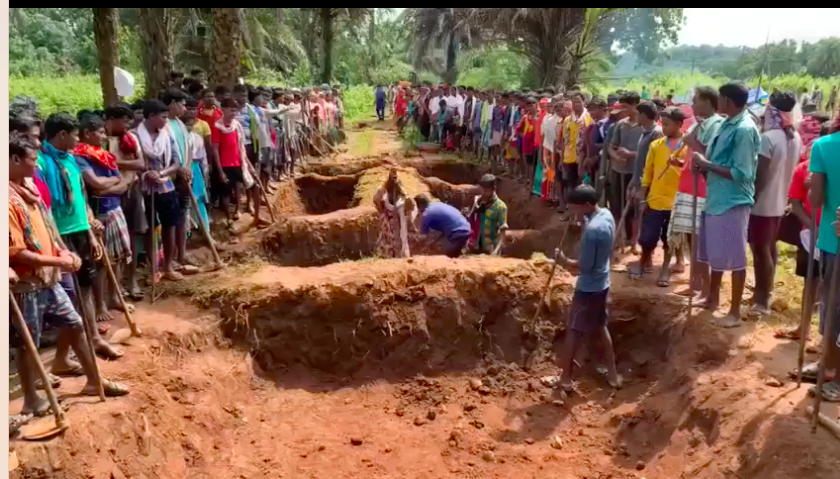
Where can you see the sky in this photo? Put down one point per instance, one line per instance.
(748, 26)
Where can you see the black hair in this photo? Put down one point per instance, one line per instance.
(229, 103)
(195, 88)
(118, 110)
(674, 113)
(22, 123)
(630, 98)
(188, 116)
(583, 194)
(58, 122)
(153, 107)
(488, 181)
(736, 92)
(172, 95)
(196, 72)
(240, 89)
(709, 94)
(612, 98)
(253, 94)
(175, 74)
(83, 113)
(659, 103)
(648, 109)
(20, 143)
(422, 200)
(138, 105)
(783, 100)
(598, 102)
(221, 90)
(90, 123)
(192, 102)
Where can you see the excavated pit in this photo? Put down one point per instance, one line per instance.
(327, 219)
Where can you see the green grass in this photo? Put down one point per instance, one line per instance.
(362, 144)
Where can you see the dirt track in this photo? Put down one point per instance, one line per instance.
(370, 369)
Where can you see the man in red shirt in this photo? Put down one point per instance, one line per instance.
(228, 146)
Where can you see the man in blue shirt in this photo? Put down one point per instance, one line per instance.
(825, 195)
(380, 103)
(447, 222)
(730, 165)
(588, 313)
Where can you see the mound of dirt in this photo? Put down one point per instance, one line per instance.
(372, 179)
(459, 196)
(455, 171)
(287, 200)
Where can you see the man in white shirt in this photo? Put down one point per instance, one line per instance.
(777, 158)
(434, 102)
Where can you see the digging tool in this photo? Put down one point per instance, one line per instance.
(135, 331)
(694, 235)
(206, 230)
(90, 328)
(618, 230)
(153, 255)
(833, 292)
(550, 275)
(32, 350)
(807, 304)
(826, 422)
(265, 198)
(334, 149)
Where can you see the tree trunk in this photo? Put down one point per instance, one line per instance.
(227, 46)
(451, 74)
(156, 33)
(573, 74)
(372, 60)
(106, 27)
(327, 38)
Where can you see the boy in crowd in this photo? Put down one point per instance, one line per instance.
(588, 314)
(123, 144)
(622, 153)
(162, 155)
(573, 137)
(103, 180)
(73, 219)
(38, 256)
(665, 159)
(249, 117)
(230, 157)
(488, 219)
(649, 121)
(777, 158)
(729, 165)
(597, 109)
(448, 224)
(199, 137)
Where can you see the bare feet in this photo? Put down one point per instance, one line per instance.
(106, 351)
(678, 268)
(710, 304)
(117, 304)
(730, 321)
(38, 408)
(102, 313)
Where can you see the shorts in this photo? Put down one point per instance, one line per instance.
(79, 243)
(454, 247)
(588, 312)
(722, 242)
(134, 209)
(827, 260)
(802, 264)
(266, 159)
(763, 230)
(117, 238)
(654, 228)
(234, 177)
(253, 157)
(496, 138)
(570, 177)
(49, 306)
(167, 209)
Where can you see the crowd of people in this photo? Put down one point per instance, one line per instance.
(718, 172)
(90, 188)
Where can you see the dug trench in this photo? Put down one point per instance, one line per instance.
(326, 219)
(419, 368)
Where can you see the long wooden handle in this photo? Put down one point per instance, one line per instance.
(694, 236)
(135, 331)
(205, 229)
(807, 304)
(153, 255)
(32, 351)
(90, 328)
(264, 195)
(825, 421)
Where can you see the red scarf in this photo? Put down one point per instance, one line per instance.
(128, 144)
(97, 154)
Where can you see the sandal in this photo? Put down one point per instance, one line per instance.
(73, 370)
(663, 282)
(729, 322)
(809, 372)
(55, 382)
(758, 312)
(792, 334)
(110, 388)
(173, 276)
(830, 392)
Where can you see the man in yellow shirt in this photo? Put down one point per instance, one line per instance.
(660, 180)
(573, 129)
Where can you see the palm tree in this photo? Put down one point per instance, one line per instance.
(585, 53)
(825, 61)
(106, 26)
(226, 52)
(443, 30)
(157, 27)
(328, 19)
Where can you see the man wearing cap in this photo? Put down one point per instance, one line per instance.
(488, 219)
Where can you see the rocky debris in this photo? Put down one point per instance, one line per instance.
(640, 465)
(477, 424)
(431, 415)
(419, 421)
(773, 383)
(488, 456)
(356, 441)
(475, 384)
(558, 403)
(557, 442)
(469, 407)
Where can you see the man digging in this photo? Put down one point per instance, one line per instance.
(488, 219)
(588, 313)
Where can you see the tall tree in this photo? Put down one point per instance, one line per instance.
(227, 46)
(106, 27)
(157, 26)
(443, 29)
(328, 19)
